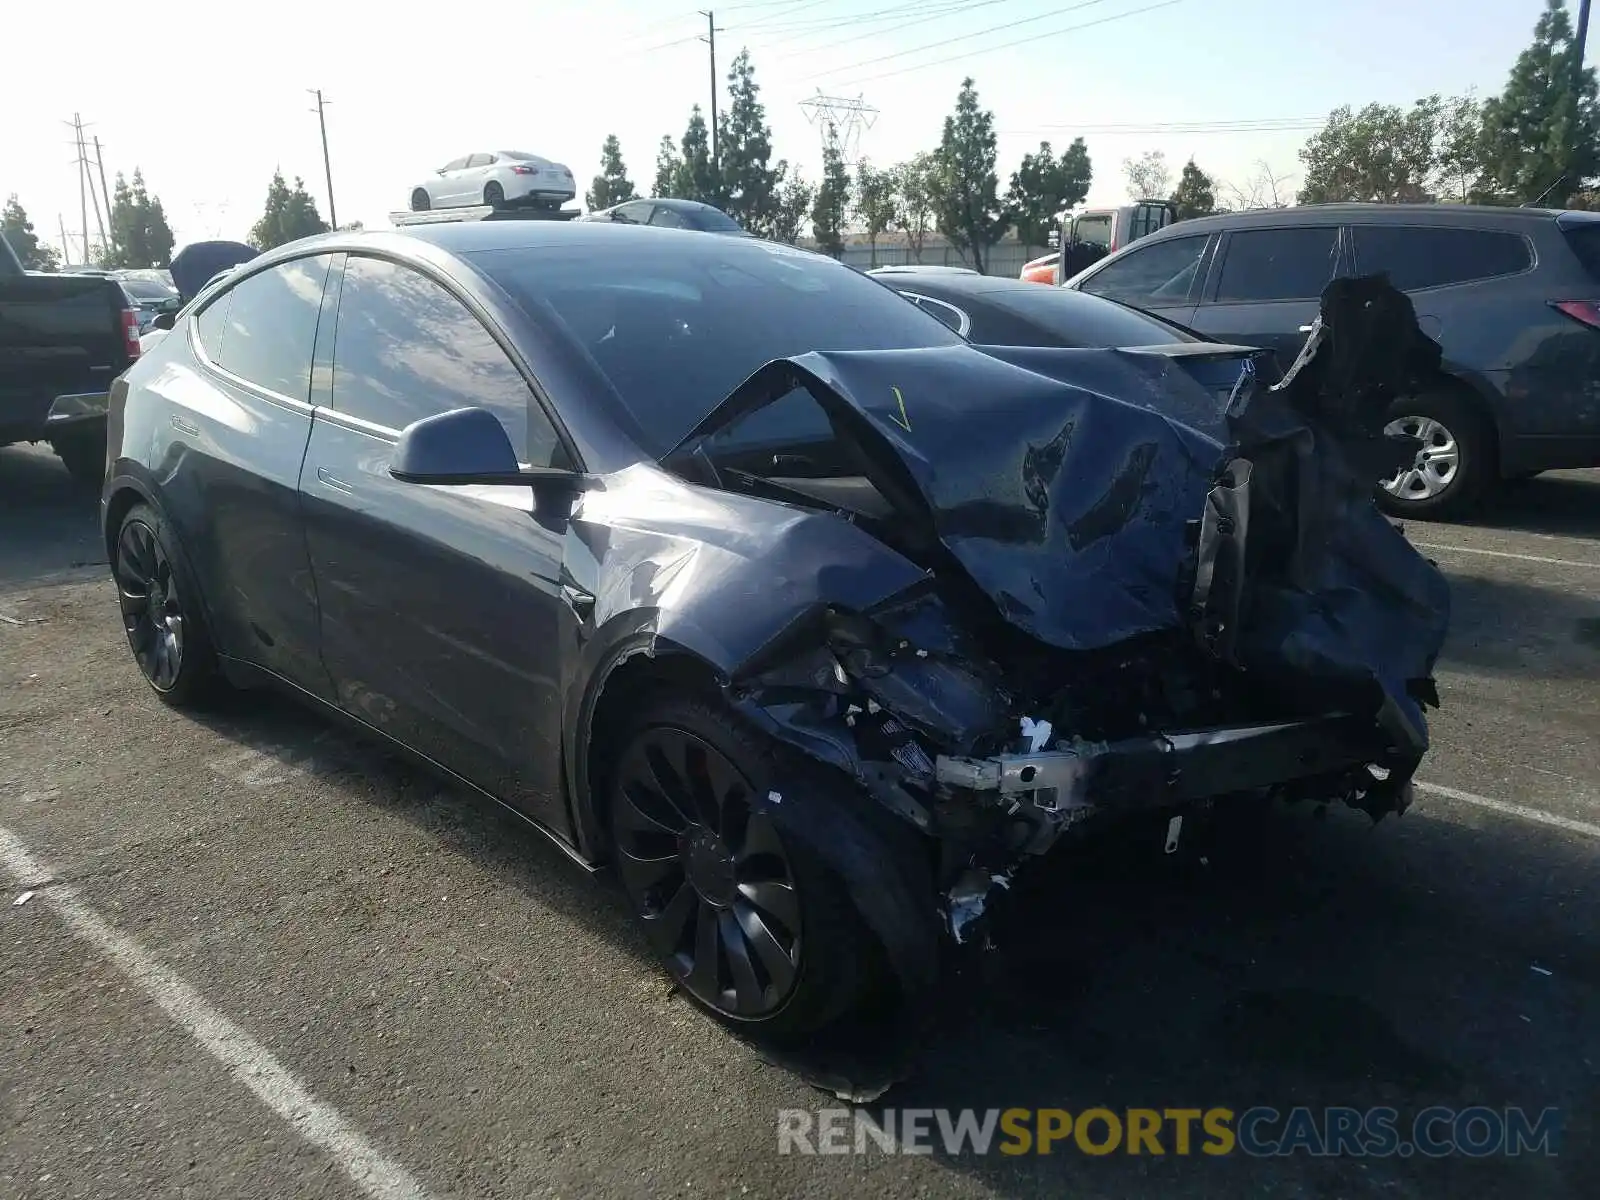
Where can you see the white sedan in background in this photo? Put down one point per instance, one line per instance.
(498, 179)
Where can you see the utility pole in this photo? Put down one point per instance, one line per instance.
(101, 164)
(83, 187)
(711, 40)
(86, 184)
(66, 253)
(327, 164)
(1578, 48)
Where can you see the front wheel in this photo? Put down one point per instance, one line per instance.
(750, 924)
(420, 201)
(1454, 466)
(161, 612)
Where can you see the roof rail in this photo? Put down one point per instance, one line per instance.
(481, 212)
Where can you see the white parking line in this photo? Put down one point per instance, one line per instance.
(1507, 808)
(1533, 558)
(246, 1059)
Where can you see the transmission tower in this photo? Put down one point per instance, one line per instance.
(842, 121)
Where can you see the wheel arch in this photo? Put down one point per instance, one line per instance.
(123, 492)
(1479, 395)
(634, 665)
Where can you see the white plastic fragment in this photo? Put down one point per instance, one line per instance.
(1542, 970)
(1174, 828)
(22, 899)
(1037, 733)
(775, 797)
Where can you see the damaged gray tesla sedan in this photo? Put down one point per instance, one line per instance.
(725, 565)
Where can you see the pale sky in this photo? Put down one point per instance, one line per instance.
(410, 86)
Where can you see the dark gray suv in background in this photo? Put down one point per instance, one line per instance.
(1512, 294)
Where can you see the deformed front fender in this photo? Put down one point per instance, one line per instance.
(656, 566)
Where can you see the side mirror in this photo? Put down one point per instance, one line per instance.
(468, 446)
(164, 320)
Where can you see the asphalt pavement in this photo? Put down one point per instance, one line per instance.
(262, 958)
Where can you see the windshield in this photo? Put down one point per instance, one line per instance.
(676, 323)
(148, 289)
(1084, 320)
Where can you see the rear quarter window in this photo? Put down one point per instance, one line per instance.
(1585, 243)
(1417, 257)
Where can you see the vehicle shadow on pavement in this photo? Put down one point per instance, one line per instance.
(1521, 629)
(1276, 960)
(1284, 961)
(1564, 503)
(50, 523)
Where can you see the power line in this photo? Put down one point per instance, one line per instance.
(876, 16)
(882, 17)
(1019, 42)
(950, 41)
(1261, 125)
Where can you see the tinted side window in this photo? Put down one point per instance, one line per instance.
(455, 164)
(1420, 257)
(637, 211)
(407, 349)
(948, 313)
(1152, 273)
(271, 326)
(667, 218)
(1279, 264)
(210, 323)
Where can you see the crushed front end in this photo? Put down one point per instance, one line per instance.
(1137, 596)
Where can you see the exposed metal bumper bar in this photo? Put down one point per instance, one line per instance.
(80, 406)
(1173, 768)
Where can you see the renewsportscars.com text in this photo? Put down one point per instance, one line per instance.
(1259, 1132)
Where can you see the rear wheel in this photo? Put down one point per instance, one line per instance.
(751, 924)
(161, 611)
(83, 454)
(494, 195)
(1454, 466)
(420, 201)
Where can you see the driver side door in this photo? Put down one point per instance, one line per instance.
(441, 607)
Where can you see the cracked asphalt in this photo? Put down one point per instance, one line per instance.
(454, 989)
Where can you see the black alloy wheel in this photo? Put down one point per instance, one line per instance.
(161, 613)
(707, 874)
(152, 605)
(494, 195)
(420, 201)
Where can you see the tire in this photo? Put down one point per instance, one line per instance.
(494, 195)
(420, 201)
(1455, 468)
(83, 454)
(678, 789)
(161, 611)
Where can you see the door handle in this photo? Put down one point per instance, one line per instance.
(333, 481)
(183, 426)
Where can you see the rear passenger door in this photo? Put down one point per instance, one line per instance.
(241, 426)
(1267, 286)
(441, 606)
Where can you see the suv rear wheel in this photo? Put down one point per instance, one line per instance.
(1454, 466)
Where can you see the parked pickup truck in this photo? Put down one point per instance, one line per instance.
(63, 339)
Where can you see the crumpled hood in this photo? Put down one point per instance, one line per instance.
(1070, 485)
